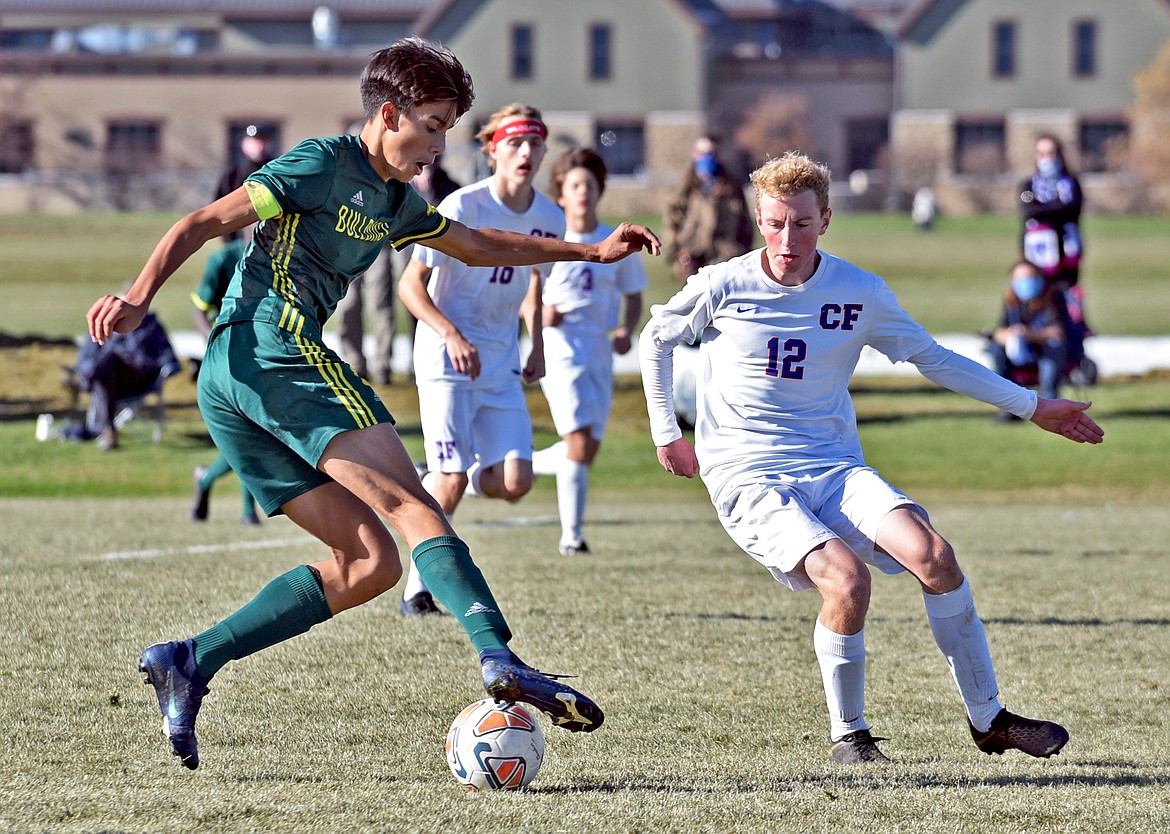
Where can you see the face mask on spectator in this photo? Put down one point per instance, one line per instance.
(1027, 287)
(706, 166)
(1048, 167)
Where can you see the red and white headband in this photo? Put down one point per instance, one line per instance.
(519, 126)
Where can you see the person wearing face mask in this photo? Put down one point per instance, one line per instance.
(708, 220)
(1050, 204)
(1032, 331)
(467, 365)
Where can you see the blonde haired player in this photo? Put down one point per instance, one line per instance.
(776, 441)
(476, 427)
(582, 303)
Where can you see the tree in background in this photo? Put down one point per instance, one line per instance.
(775, 124)
(1149, 142)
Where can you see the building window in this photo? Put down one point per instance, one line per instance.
(622, 145)
(980, 147)
(1003, 49)
(1103, 144)
(17, 153)
(600, 52)
(26, 40)
(522, 52)
(1084, 49)
(133, 147)
(865, 140)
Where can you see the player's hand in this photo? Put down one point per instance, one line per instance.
(111, 314)
(463, 354)
(625, 240)
(622, 341)
(678, 458)
(534, 368)
(1068, 419)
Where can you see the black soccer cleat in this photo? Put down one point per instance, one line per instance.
(579, 548)
(421, 604)
(1009, 731)
(170, 669)
(858, 747)
(199, 505)
(507, 678)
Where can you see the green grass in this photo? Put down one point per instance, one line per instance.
(704, 664)
(716, 718)
(950, 279)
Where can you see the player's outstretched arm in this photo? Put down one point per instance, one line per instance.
(495, 247)
(678, 458)
(113, 314)
(1068, 419)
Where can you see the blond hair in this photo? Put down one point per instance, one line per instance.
(789, 175)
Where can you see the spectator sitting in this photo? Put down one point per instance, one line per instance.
(1033, 330)
(127, 365)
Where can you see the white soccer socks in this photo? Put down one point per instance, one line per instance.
(572, 489)
(474, 473)
(842, 661)
(548, 461)
(958, 631)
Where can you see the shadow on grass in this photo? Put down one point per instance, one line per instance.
(1085, 622)
(831, 784)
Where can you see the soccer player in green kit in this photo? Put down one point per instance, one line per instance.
(307, 436)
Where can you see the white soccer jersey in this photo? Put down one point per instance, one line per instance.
(589, 295)
(483, 302)
(775, 365)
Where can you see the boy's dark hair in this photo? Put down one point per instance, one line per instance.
(412, 71)
(586, 158)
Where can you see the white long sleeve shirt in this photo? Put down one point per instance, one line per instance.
(775, 364)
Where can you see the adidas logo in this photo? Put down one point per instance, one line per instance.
(358, 200)
(479, 608)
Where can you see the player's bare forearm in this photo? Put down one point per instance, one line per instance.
(113, 314)
(496, 247)
(1068, 419)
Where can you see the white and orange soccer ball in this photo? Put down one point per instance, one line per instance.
(494, 745)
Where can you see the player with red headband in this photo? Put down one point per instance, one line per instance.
(467, 363)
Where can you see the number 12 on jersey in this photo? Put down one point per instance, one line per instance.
(787, 366)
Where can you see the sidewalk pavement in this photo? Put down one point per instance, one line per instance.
(1114, 355)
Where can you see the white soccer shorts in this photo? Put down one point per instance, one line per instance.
(578, 380)
(466, 422)
(778, 520)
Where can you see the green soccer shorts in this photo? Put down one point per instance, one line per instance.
(272, 400)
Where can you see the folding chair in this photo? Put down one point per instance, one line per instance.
(144, 414)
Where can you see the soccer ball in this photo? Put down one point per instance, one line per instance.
(495, 745)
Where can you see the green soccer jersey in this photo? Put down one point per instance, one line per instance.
(324, 214)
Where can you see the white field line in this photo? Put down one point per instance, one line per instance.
(261, 544)
(198, 549)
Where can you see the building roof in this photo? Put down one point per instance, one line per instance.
(280, 8)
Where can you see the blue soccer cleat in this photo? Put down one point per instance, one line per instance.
(507, 678)
(170, 669)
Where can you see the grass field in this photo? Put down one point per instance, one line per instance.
(716, 715)
(704, 664)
